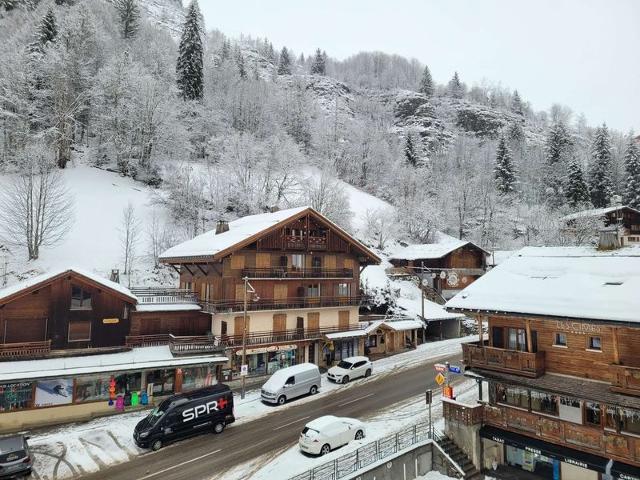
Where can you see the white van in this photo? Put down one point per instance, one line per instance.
(291, 382)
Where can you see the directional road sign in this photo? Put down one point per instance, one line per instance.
(440, 367)
(454, 369)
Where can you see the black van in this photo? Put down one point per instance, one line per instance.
(204, 410)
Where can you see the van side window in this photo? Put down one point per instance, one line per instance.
(290, 381)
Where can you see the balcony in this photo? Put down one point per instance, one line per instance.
(280, 273)
(14, 351)
(299, 242)
(501, 360)
(164, 296)
(271, 337)
(625, 379)
(184, 345)
(590, 439)
(229, 306)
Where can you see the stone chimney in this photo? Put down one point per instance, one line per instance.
(222, 226)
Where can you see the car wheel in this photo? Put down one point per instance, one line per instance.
(345, 379)
(156, 445)
(359, 435)
(326, 448)
(282, 400)
(218, 427)
(367, 373)
(313, 390)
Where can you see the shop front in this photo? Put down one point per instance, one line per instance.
(268, 359)
(338, 347)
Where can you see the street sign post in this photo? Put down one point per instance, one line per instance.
(440, 367)
(429, 399)
(455, 369)
(440, 379)
(244, 370)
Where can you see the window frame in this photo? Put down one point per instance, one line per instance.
(88, 321)
(83, 300)
(556, 335)
(586, 409)
(590, 346)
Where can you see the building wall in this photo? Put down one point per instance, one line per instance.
(176, 323)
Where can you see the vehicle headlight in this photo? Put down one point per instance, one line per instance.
(144, 434)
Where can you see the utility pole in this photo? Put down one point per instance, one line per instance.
(422, 288)
(244, 370)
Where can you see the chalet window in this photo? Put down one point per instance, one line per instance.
(316, 263)
(594, 343)
(313, 290)
(517, 339)
(223, 328)
(372, 341)
(297, 261)
(544, 403)
(80, 298)
(518, 397)
(79, 330)
(343, 289)
(560, 340)
(498, 337)
(592, 413)
(630, 421)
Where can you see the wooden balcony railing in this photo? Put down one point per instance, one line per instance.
(590, 439)
(178, 345)
(281, 304)
(625, 379)
(299, 242)
(289, 272)
(463, 414)
(164, 295)
(502, 360)
(24, 350)
(269, 337)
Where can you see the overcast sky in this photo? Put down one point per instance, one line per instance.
(581, 53)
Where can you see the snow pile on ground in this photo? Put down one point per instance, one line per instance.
(81, 448)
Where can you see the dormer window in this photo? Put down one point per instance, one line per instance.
(80, 298)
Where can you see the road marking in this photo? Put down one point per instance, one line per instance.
(291, 423)
(179, 465)
(357, 399)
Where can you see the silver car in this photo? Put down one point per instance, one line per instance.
(15, 459)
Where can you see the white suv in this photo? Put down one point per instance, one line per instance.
(350, 368)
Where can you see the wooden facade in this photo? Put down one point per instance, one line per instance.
(177, 323)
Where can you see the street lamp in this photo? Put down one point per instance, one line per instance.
(248, 288)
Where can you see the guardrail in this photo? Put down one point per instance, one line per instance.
(368, 454)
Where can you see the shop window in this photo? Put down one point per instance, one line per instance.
(517, 397)
(594, 343)
(16, 396)
(162, 380)
(517, 339)
(79, 330)
(96, 387)
(544, 403)
(592, 413)
(560, 339)
(80, 298)
(197, 377)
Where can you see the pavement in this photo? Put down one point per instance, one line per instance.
(209, 455)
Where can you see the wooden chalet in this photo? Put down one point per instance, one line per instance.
(303, 272)
(448, 265)
(560, 364)
(622, 224)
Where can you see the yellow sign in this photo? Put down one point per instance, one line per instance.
(110, 320)
(440, 379)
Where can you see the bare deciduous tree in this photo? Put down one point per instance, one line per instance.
(36, 209)
(381, 225)
(159, 237)
(129, 235)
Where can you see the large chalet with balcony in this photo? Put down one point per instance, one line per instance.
(560, 369)
(619, 225)
(297, 275)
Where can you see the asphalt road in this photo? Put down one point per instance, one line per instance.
(207, 455)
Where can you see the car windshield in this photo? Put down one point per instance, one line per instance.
(345, 365)
(309, 432)
(158, 412)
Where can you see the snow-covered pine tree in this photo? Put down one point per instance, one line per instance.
(455, 87)
(516, 104)
(284, 67)
(189, 68)
(225, 52)
(129, 13)
(410, 151)
(504, 170)
(46, 32)
(576, 190)
(242, 69)
(318, 66)
(426, 83)
(8, 4)
(558, 152)
(631, 194)
(600, 183)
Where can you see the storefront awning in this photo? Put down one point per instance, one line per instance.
(534, 445)
(135, 359)
(622, 471)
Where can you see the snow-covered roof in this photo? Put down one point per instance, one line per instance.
(443, 244)
(573, 282)
(402, 325)
(45, 277)
(135, 359)
(355, 333)
(169, 307)
(598, 212)
(209, 244)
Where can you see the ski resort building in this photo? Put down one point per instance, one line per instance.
(447, 265)
(295, 274)
(560, 369)
(66, 350)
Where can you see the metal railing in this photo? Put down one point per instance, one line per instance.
(281, 304)
(160, 296)
(178, 345)
(290, 272)
(368, 454)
